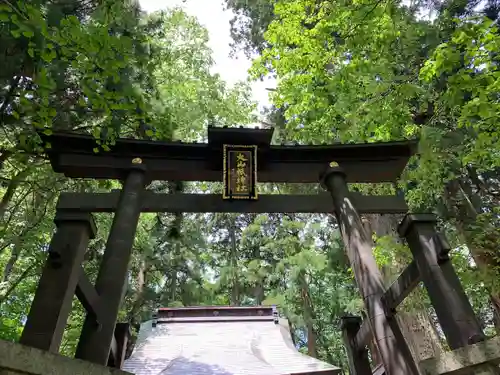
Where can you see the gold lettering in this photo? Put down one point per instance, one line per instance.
(241, 157)
(241, 160)
(241, 180)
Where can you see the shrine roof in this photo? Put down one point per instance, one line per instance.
(206, 312)
(73, 155)
(220, 340)
(257, 136)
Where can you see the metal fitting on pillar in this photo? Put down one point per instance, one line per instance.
(136, 165)
(332, 169)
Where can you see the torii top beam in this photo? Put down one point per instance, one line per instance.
(73, 155)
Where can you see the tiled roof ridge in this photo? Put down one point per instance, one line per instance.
(218, 307)
(200, 314)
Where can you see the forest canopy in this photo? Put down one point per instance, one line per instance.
(346, 71)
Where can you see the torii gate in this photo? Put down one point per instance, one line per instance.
(137, 162)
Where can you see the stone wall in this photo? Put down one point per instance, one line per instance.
(478, 359)
(16, 359)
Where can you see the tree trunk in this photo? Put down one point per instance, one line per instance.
(135, 311)
(4, 155)
(16, 251)
(14, 285)
(173, 275)
(11, 189)
(235, 288)
(259, 293)
(258, 290)
(14, 84)
(464, 206)
(495, 303)
(308, 315)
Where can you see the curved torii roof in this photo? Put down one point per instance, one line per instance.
(220, 341)
(73, 154)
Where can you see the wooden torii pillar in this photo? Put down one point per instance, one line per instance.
(62, 278)
(51, 306)
(394, 351)
(95, 340)
(356, 357)
(453, 309)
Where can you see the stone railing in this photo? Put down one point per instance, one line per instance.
(478, 359)
(17, 359)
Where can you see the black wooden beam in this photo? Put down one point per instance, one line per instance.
(370, 170)
(453, 309)
(89, 298)
(95, 341)
(73, 155)
(401, 288)
(154, 202)
(356, 357)
(113, 354)
(363, 336)
(51, 306)
(122, 337)
(394, 351)
(87, 295)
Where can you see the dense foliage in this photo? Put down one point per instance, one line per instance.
(347, 72)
